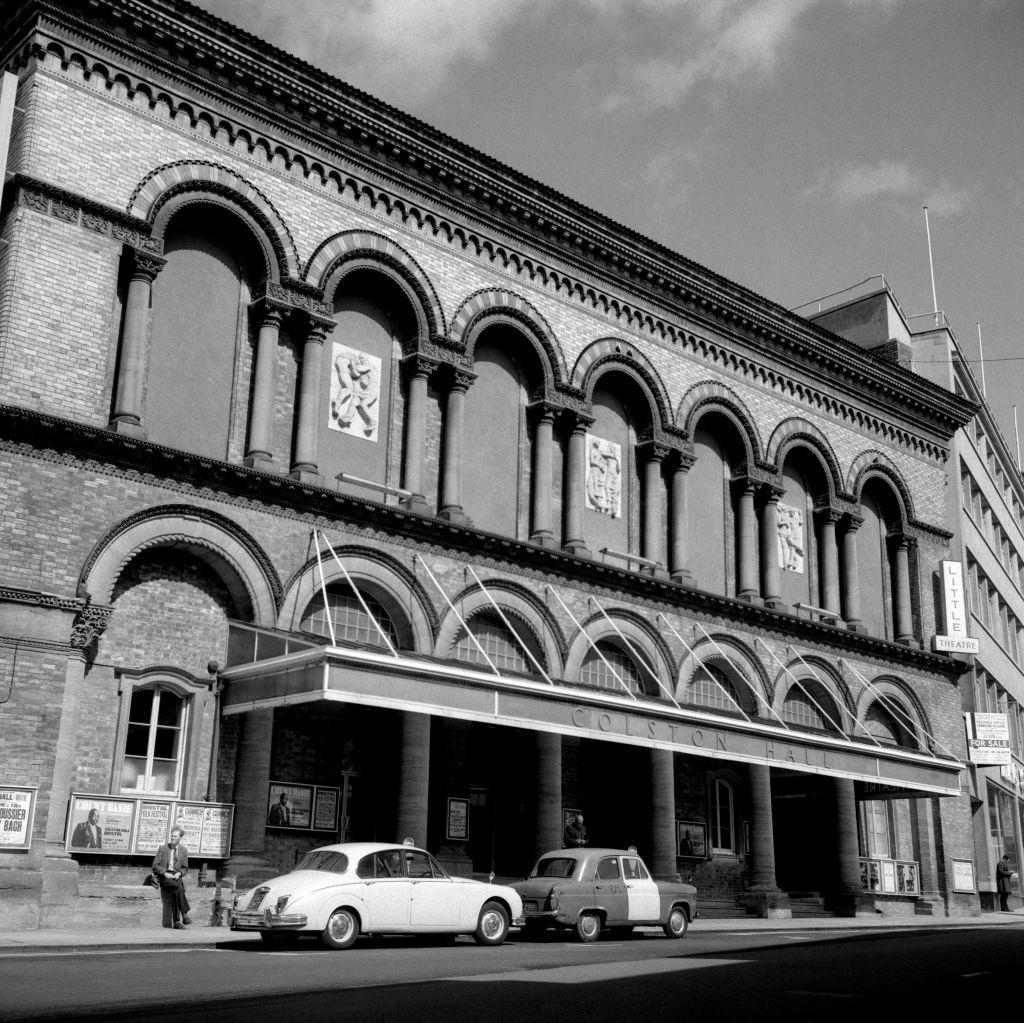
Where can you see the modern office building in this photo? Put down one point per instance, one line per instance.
(986, 516)
(345, 464)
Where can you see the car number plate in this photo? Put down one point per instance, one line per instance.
(529, 907)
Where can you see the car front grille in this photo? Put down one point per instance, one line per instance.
(257, 898)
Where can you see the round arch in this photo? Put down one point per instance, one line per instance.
(521, 605)
(614, 354)
(738, 662)
(820, 680)
(798, 434)
(168, 189)
(348, 251)
(493, 306)
(237, 559)
(711, 397)
(884, 692)
(875, 465)
(387, 580)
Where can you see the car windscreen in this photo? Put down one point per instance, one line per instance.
(324, 859)
(555, 866)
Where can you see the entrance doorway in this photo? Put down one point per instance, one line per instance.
(481, 846)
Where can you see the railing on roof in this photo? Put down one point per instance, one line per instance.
(869, 286)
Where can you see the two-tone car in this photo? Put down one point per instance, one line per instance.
(338, 892)
(591, 890)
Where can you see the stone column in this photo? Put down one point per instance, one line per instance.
(662, 859)
(451, 479)
(771, 573)
(829, 562)
(414, 779)
(851, 575)
(543, 443)
(419, 370)
(746, 542)
(304, 465)
(547, 829)
(763, 895)
(653, 455)
(252, 775)
(848, 886)
(133, 365)
(575, 483)
(679, 552)
(904, 621)
(259, 454)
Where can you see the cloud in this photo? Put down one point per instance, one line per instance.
(377, 44)
(887, 181)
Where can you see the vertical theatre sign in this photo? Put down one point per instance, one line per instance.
(954, 606)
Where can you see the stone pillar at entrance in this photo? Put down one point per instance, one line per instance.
(662, 860)
(547, 827)
(849, 896)
(763, 896)
(414, 780)
(252, 775)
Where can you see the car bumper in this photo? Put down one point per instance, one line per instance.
(268, 921)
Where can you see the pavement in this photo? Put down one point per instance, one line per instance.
(134, 938)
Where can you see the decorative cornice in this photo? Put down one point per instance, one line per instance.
(42, 197)
(45, 437)
(234, 71)
(17, 595)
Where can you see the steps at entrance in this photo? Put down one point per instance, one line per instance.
(113, 905)
(719, 909)
(804, 905)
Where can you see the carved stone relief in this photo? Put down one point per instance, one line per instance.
(791, 538)
(604, 476)
(355, 392)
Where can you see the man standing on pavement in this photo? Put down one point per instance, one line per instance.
(1003, 875)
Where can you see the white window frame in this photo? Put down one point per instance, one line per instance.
(715, 817)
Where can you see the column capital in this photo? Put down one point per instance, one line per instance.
(827, 511)
(543, 410)
(653, 451)
(318, 329)
(579, 422)
(268, 312)
(418, 364)
(146, 266)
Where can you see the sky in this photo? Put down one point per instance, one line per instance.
(788, 145)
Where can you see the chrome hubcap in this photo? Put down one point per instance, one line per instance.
(491, 924)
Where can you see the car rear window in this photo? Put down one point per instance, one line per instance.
(555, 866)
(324, 859)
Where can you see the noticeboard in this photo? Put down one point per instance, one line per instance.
(963, 876)
(292, 806)
(458, 819)
(17, 811)
(139, 825)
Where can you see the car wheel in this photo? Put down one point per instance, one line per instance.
(279, 938)
(342, 929)
(492, 927)
(677, 923)
(588, 926)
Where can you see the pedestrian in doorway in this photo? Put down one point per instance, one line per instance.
(575, 836)
(1003, 875)
(170, 866)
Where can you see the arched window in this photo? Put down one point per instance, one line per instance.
(154, 741)
(502, 645)
(596, 672)
(350, 620)
(723, 830)
(804, 712)
(711, 687)
(886, 727)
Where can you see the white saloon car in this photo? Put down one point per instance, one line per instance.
(338, 892)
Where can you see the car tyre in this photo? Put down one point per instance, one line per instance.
(492, 927)
(588, 926)
(677, 923)
(341, 931)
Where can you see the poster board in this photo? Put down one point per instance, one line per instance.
(691, 839)
(963, 876)
(295, 806)
(458, 819)
(139, 825)
(17, 812)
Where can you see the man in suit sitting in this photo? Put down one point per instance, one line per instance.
(88, 834)
(170, 866)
